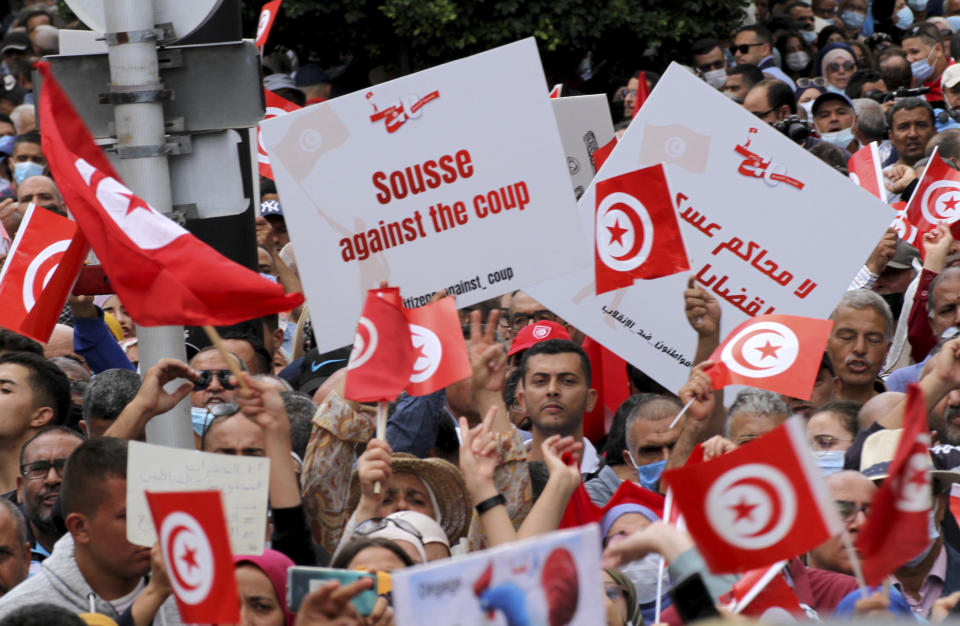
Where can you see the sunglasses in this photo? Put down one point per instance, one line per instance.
(375, 524)
(848, 66)
(206, 377)
(819, 81)
(743, 48)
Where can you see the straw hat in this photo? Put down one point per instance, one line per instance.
(879, 450)
(443, 479)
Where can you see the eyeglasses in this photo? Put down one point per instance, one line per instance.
(614, 592)
(206, 377)
(819, 81)
(623, 93)
(40, 469)
(848, 510)
(743, 48)
(847, 66)
(826, 442)
(375, 524)
(519, 320)
(763, 114)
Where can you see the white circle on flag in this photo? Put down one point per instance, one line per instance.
(262, 24)
(56, 249)
(914, 494)
(188, 556)
(270, 113)
(675, 147)
(761, 350)
(941, 202)
(853, 176)
(364, 343)
(430, 350)
(624, 232)
(752, 506)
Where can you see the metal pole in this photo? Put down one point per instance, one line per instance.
(132, 54)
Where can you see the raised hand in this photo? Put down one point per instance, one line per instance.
(562, 458)
(699, 388)
(488, 359)
(702, 309)
(478, 457)
(885, 250)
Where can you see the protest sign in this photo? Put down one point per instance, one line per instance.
(585, 125)
(453, 177)
(760, 219)
(549, 579)
(242, 480)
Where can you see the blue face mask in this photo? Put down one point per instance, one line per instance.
(199, 417)
(839, 138)
(853, 19)
(917, 5)
(829, 461)
(23, 171)
(649, 474)
(904, 18)
(809, 36)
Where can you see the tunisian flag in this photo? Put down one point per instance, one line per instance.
(780, 353)
(196, 554)
(936, 198)
(762, 589)
(382, 359)
(637, 234)
(41, 267)
(759, 504)
(275, 106)
(901, 506)
(865, 170)
(267, 14)
(610, 381)
(439, 350)
(163, 274)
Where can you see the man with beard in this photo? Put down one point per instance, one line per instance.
(42, 459)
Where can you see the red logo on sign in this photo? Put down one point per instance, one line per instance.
(755, 166)
(399, 113)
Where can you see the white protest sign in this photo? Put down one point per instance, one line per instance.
(453, 177)
(585, 125)
(242, 480)
(554, 578)
(767, 226)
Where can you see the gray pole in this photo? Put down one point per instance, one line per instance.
(135, 81)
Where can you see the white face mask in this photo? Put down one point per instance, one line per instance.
(643, 575)
(715, 78)
(798, 60)
(839, 138)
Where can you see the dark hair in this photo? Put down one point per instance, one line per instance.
(44, 431)
(908, 104)
(261, 357)
(859, 78)
(762, 32)
(900, 74)
(355, 546)
(267, 186)
(778, 94)
(924, 30)
(948, 143)
(5, 118)
(644, 383)
(87, 470)
(48, 383)
(796, 3)
(617, 436)
(31, 136)
(15, 342)
(300, 409)
(846, 410)
(703, 46)
(751, 73)
(831, 155)
(556, 346)
(108, 393)
(826, 32)
(42, 614)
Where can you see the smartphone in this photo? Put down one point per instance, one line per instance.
(302, 581)
(692, 600)
(92, 281)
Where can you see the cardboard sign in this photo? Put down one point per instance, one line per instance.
(549, 579)
(768, 228)
(585, 126)
(242, 480)
(453, 177)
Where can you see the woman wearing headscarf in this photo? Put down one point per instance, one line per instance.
(836, 63)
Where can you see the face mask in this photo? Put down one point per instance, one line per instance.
(715, 78)
(833, 88)
(809, 36)
(954, 21)
(643, 575)
(269, 277)
(904, 18)
(839, 138)
(798, 60)
(808, 107)
(649, 474)
(23, 171)
(917, 5)
(853, 19)
(733, 97)
(199, 417)
(829, 461)
(819, 23)
(921, 69)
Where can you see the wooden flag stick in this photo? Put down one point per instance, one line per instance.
(217, 342)
(381, 433)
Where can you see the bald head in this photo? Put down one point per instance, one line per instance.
(878, 406)
(41, 191)
(61, 342)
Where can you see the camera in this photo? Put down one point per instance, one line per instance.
(794, 128)
(883, 97)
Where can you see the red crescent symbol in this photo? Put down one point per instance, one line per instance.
(737, 351)
(767, 488)
(170, 557)
(637, 230)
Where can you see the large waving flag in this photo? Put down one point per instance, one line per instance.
(163, 274)
(936, 198)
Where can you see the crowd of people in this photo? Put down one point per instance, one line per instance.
(496, 457)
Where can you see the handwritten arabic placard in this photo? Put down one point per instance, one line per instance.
(242, 480)
(767, 227)
(585, 125)
(453, 177)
